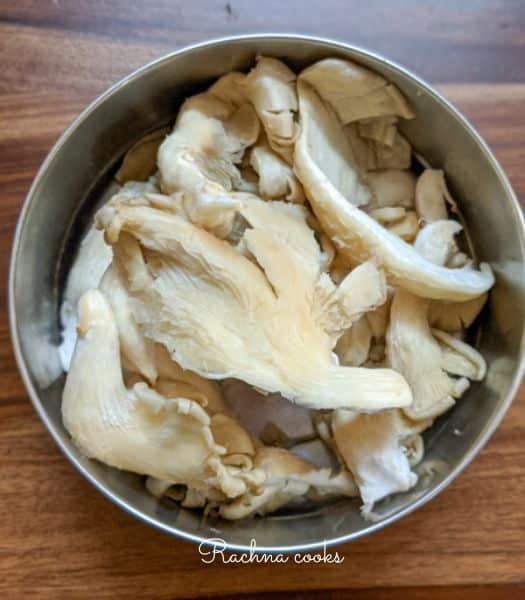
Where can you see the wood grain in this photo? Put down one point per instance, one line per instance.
(58, 537)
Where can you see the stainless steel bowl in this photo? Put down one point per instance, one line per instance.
(77, 172)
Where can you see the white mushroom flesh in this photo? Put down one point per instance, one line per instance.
(221, 315)
(355, 92)
(357, 235)
(244, 353)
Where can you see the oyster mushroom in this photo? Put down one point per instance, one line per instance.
(287, 477)
(327, 144)
(371, 155)
(436, 241)
(276, 178)
(353, 346)
(459, 358)
(380, 129)
(406, 228)
(392, 187)
(372, 448)
(206, 142)
(137, 350)
(362, 290)
(270, 87)
(412, 350)
(432, 196)
(173, 380)
(133, 429)
(140, 161)
(355, 92)
(388, 214)
(357, 235)
(221, 315)
(455, 316)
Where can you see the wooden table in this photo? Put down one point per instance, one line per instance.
(59, 538)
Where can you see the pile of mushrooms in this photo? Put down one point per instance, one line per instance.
(272, 306)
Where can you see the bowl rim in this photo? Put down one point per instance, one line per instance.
(360, 52)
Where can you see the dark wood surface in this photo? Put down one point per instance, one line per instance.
(58, 537)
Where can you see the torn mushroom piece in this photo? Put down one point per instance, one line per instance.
(137, 351)
(174, 380)
(229, 433)
(372, 448)
(458, 358)
(379, 129)
(392, 188)
(140, 161)
(356, 234)
(207, 141)
(355, 92)
(436, 241)
(406, 228)
(134, 429)
(455, 316)
(412, 350)
(270, 87)
(276, 178)
(362, 290)
(432, 196)
(371, 155)
(328, 146)
(288, 477)
(221, 315)
(353, 346)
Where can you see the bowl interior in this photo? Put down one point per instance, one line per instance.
(78, 174)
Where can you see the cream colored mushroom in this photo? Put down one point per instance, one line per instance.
(276, 178)
(326, 143)
(221, 315)
(137, 429)
(455, 316)
(353, 346)
(406, 228)
(199, 157)
(458, 358)
(361, 291)
(432, 196)
(176, 381)
(137, 350)
(371, 155)
(372, 449)
(379, 317)
(270, 87)
(287, 477)
(388, 214)
(436, 242)
(412, 350)
(380, 129)
(140, 161)
(392, 188)
(354, 91)
(357, 235)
